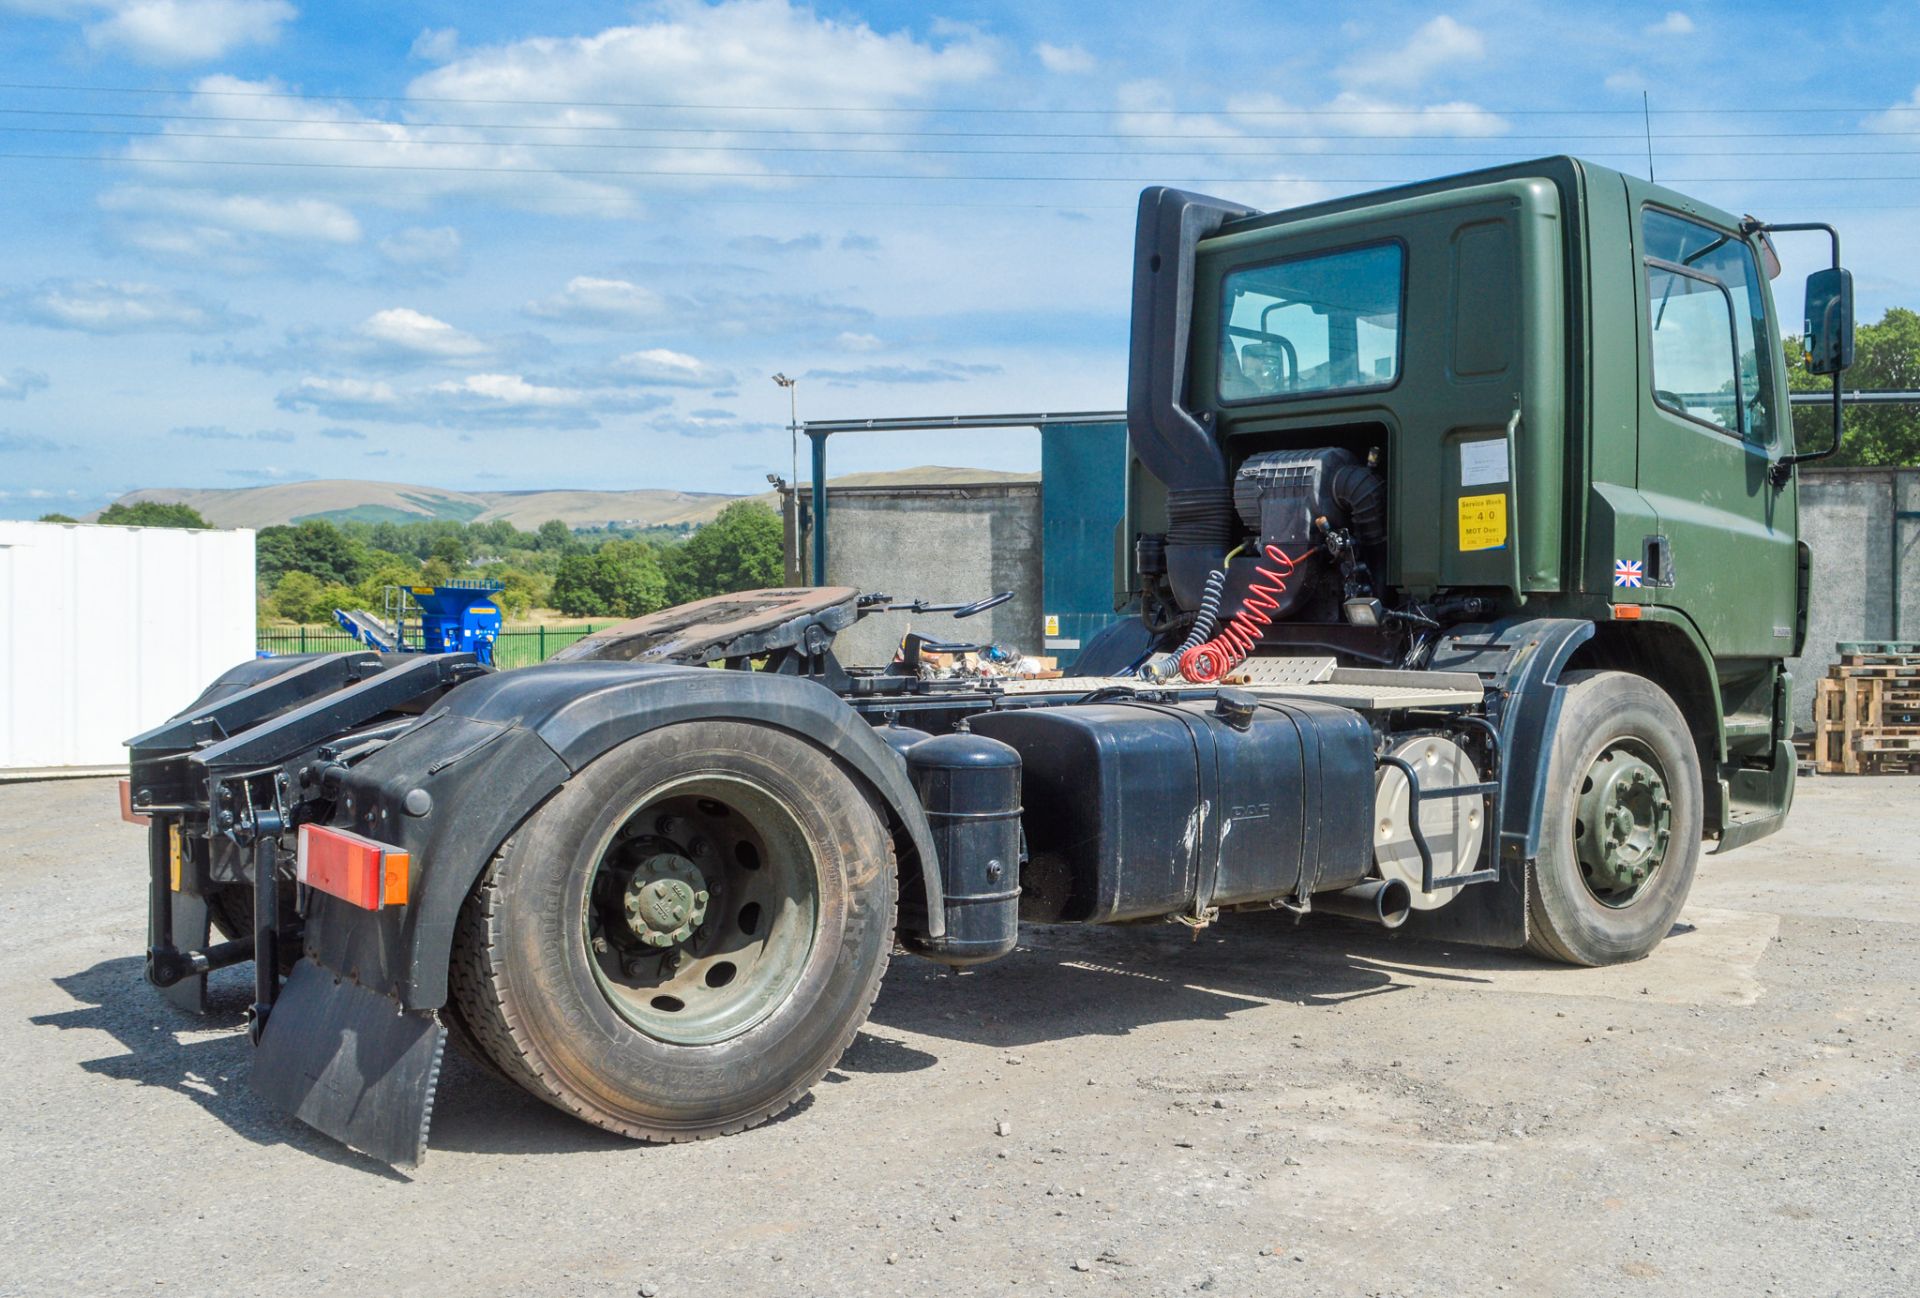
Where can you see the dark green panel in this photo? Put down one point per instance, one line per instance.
(1083, 502)
(1483, 359)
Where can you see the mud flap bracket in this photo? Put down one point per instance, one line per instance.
(351, 1063)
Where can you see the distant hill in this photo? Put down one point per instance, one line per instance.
(342, 500)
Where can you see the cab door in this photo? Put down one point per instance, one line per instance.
(1713, 416)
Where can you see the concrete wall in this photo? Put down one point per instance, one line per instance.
(1848, 517)
(943, 543)
(108, 631)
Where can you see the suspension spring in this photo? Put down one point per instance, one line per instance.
(1206, 663)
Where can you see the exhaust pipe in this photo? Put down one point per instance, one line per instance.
(1386, 902)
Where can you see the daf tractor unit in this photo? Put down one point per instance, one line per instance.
(1466, 562)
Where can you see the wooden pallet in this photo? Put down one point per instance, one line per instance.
(1864, 724)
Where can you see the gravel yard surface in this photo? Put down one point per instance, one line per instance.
(1268, 1108)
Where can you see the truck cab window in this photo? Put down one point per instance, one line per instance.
(1690, 321)
(1311, 324)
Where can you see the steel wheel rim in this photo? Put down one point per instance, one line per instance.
(702, 909)
(1623, 823)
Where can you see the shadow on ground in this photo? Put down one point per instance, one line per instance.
(1064, 981)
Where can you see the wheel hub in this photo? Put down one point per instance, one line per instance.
(666, 900)
(1626, 819)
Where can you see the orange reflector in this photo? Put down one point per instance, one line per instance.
(127, 813)
(355, 869)
(1626, 612)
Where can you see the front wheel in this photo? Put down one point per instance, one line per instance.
(1620, 835)
(685, 938)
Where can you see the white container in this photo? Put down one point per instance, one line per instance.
(108, 631)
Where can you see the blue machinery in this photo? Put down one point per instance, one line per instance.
(454, 617)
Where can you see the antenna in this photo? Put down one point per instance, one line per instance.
(1646, 115)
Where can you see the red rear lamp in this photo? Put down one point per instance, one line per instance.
(356, 869)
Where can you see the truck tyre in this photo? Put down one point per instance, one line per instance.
(1620, 831)
(685, 937)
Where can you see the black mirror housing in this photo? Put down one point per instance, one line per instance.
(1828, 340)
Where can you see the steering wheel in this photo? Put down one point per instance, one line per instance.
(982, 605)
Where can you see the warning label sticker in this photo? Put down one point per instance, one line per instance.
(1053, 624)
(1483, 522)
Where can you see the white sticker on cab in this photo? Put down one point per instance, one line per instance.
(1483, 462)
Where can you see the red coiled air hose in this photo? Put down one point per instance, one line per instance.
(1207, 663)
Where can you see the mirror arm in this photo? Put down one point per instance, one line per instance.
(1784, 466)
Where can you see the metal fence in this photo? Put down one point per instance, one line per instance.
(514, 647)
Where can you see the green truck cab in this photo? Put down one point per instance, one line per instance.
(1570, 380)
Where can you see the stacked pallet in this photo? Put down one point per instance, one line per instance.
(1866, 713)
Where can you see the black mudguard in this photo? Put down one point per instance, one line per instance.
(1520, 661)
(452, 789)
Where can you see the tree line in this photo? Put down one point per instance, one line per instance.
(305, 570)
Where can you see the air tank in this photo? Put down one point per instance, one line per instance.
(970, 788)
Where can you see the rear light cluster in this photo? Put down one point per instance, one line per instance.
(356, 869)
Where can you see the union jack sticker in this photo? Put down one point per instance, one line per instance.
(1628, 572)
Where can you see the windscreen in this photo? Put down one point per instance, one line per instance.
(1311, 324)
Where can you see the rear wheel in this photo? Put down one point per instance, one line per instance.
(685, 937)
(1620, 835)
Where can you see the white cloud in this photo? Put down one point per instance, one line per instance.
(295, 220)
(100, 306)
(768, 52)
(424, 248)
(659, 367)
(1674, 24)
(1066, 60)
(394, 339)
(28, 442)
(413, 333)
(186, 31)
(858, 342)
(936, 371)
(1442, 43)
(621, 304)
(436, 44)
(16, 384)
(588, 300)
(476, 401)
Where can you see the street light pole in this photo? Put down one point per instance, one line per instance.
(793, 447)
(793, 423)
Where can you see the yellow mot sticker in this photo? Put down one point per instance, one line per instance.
(1483, 522)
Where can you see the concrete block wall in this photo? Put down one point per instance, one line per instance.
(1850, 519)
(948, 543)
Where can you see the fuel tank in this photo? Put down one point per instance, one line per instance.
(1135, 809)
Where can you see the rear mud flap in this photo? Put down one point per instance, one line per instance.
(352, 1064)
(1486, 914)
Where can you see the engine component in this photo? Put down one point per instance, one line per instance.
(1453, 827)
(1146, 809)
(970, 787)
(1281, 494)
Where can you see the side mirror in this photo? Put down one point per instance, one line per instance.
(1828, 340)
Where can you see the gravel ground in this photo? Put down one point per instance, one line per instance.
(1268, 1109)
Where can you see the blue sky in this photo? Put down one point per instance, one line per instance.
(567, 245)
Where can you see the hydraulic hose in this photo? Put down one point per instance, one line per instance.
(1206, 663)
(1208, 615)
